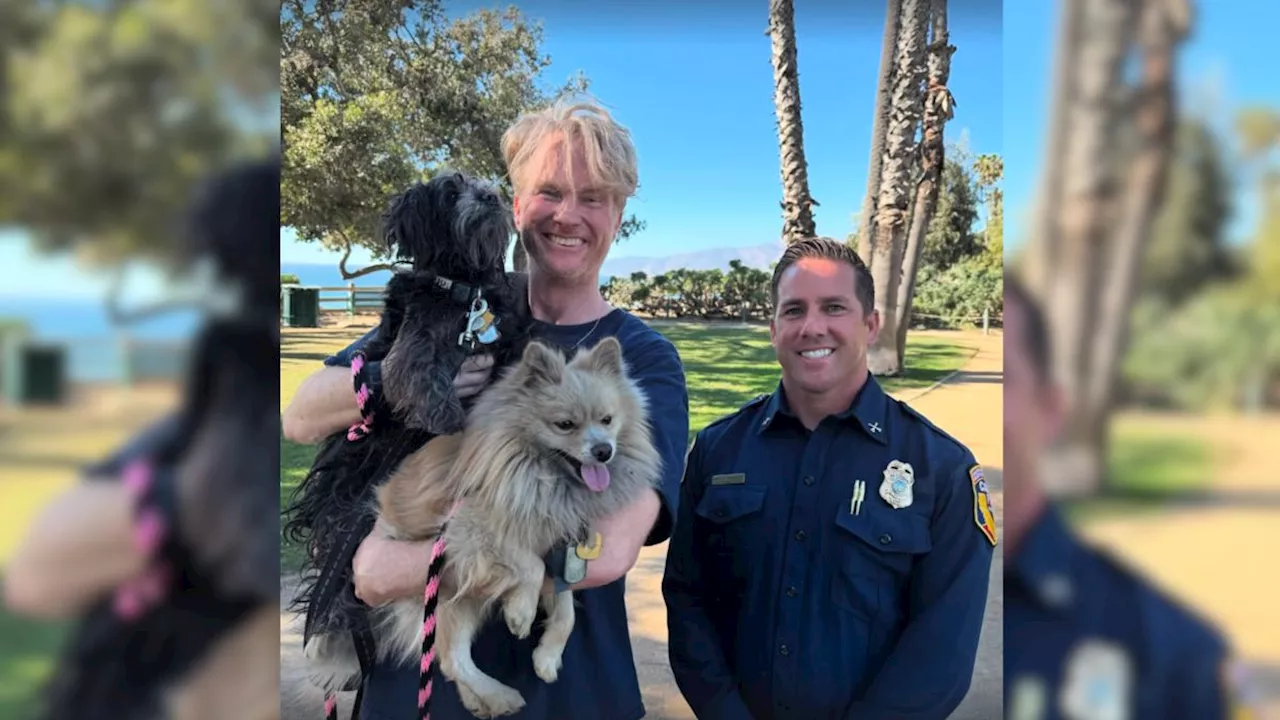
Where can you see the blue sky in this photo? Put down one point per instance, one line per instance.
(1226, 63)
(694, 84)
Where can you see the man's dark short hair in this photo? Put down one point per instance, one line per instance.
(1035, 330)
(824, 247)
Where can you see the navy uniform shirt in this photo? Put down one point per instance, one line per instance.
(598, 679)
(786, 600)
(1085, 638)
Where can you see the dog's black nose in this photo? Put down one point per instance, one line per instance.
(602, 452)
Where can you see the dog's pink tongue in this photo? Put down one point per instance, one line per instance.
(596, 477)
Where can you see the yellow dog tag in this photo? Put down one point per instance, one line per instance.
(590, 551)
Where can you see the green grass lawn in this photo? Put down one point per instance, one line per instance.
(26, 656)
(41, 453)
(725, 366)
(1148, 470)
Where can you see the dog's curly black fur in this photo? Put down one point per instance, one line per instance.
(220, 449)
(453, 227)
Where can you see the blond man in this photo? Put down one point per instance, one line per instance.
(573, 168)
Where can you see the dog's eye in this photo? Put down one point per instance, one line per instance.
(606, 419)
(564, 424)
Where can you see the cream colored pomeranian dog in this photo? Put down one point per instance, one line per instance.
(548, 449)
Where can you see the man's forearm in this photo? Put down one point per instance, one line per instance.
(79, 547)
(323, 405)
(623, 535)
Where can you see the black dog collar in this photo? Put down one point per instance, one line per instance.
(458, 292)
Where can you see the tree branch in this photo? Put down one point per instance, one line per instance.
(342, 264)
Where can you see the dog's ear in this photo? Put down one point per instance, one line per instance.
(541, 365)
(604, 358)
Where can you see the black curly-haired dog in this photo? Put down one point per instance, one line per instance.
(456, 301)
(211, 471)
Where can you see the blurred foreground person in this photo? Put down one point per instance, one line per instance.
(168, 552)
(1085, 637)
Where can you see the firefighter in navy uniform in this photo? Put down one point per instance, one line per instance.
(1085, 638)
(832, 552)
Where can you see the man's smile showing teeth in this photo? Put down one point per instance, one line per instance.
(816, 354)
(565, 241)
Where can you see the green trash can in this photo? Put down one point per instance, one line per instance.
(301, 306)
(44, 374)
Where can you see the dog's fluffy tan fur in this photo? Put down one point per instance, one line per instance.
(520, 471)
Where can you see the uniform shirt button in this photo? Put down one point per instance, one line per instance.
(808, 480)
(801, 535)
(784, 650)
(720, 512)
(885, 539)
(791, 591)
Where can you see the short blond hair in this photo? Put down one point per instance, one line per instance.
(610, 154)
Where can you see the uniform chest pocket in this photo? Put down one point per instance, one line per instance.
(875, 553)
(731, 516)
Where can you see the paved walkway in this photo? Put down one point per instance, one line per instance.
(968, 404)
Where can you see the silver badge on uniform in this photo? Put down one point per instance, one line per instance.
(1097, 682)
(896, 486)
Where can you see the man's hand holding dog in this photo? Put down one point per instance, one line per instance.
(385, 570)
(624, 533)
(473, 375)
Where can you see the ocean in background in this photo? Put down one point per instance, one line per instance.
(97, 350)
(328, 275)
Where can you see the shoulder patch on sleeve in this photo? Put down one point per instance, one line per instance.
(983, 515)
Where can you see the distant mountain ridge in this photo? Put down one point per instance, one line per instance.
(760, 256)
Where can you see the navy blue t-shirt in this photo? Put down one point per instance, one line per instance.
(598, 679)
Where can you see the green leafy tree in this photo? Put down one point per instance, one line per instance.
(989, 169)
(1187, 249)
(113, 112)
(376, 96)
(951, 237)
(1207, 334)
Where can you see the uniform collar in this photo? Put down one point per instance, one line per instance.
(1045, 559)
(867, 411)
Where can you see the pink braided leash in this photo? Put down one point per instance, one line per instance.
(145, 590)
(429, 605)
(361, 429)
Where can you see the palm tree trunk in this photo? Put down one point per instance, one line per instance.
(797, 205)
(888, 44)
(895, 193)
(1083, 205)
(1162, 28)
(938, 109)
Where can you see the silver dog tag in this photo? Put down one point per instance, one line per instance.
(575, 568)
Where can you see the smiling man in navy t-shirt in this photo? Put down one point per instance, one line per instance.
(573, 169)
